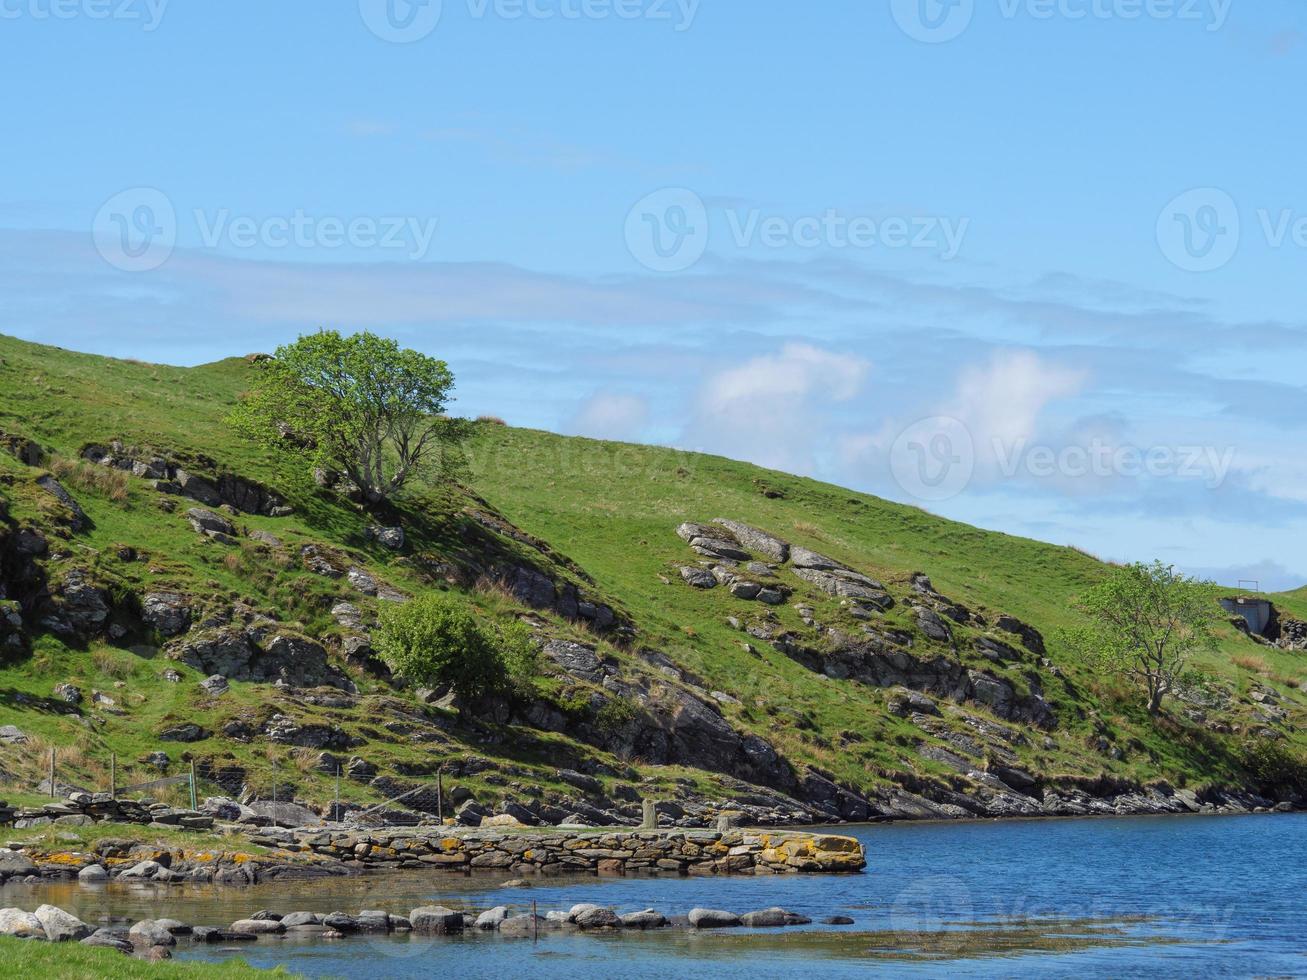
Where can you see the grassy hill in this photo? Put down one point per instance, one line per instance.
(693, 694)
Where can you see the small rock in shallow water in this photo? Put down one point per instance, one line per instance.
(837, 920)
(713, 919)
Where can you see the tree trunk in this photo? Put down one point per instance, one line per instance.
(1155, 703)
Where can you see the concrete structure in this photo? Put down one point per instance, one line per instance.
(1255, 612)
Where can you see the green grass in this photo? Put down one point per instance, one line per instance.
(607, 512)
(72, 961)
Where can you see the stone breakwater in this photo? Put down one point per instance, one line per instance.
(84, 809)
(609, 852)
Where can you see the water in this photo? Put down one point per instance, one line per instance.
(1163, 896)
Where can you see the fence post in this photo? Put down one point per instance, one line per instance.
(113, 775)
(52, 793)
(195, 803)
(440, 793)
(335, 814)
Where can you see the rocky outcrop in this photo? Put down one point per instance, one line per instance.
(169, 476)
(77, 520)
(245, 653)
(536, 589)
(77, 609)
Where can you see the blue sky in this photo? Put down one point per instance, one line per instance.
(1032, 264)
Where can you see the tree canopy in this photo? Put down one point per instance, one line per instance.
(361, 405)
(435, 640)
(1147, 622)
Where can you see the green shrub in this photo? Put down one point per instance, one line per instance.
(436, 641)
(1274, 768)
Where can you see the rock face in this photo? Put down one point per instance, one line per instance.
(253, 654)
(208, 523)
(229, 489)
(79, 521)
(757, 541)
(167, 612)
(79, 609)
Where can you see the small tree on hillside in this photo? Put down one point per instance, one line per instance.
(361, 405)
(436, 641)
(1147, 623)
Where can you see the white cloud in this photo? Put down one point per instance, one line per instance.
(611, 415)
(774, 409)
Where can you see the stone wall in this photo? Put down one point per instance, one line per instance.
(578, 852)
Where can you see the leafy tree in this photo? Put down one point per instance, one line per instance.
(1147, 623)
(435, 640)
(361, 405)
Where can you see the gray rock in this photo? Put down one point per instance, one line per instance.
(109, 939)
(435, 920)
(167, 612)
(526, 925)
(301, 919)
(491, 918)
(387, 537)
(258, 927)
(207, 522)
(756, 540)
(215, 685)
(11, 735)
(69, 693)
(929, 622)
(143, 870)
(837, 920)
(23, 925)
(597, 918)
(184, 733)
(713, 919)
(55, 489)
(646, 919)
(92, 873)
(148, 932)
(773, 918)
(699, 578)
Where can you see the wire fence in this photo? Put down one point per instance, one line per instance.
(34, 770)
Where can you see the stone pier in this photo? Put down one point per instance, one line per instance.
(555, 851)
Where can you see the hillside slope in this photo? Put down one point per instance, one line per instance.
(828, 655)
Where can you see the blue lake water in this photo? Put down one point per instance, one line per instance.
(1164, 896)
